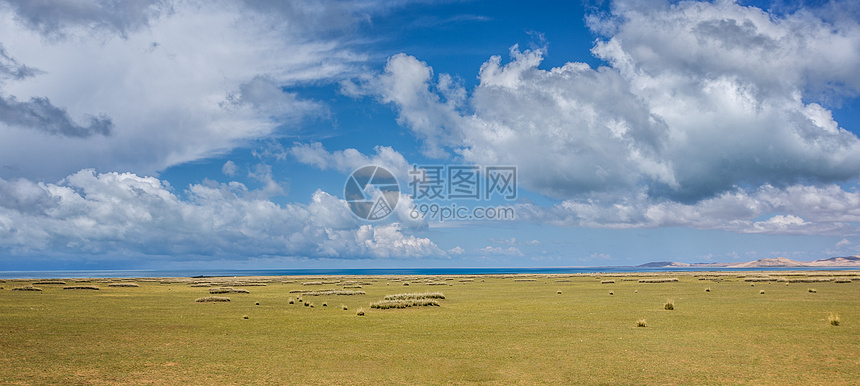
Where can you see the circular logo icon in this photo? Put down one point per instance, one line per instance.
(371, 192)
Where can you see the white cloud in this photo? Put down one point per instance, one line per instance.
(692, 105)
(124, 214)
(708, 115)
(140, 86)
(510, 251)
(229, 169)
(349, 160)
(827, 210)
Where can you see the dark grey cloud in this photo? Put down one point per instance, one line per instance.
(52, 17)
(10, 68)
(39, 114)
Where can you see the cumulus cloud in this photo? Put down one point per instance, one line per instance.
(703, 108)
(797, 209)
(692, 105)
(124, 214)
(229, 169)
(349, 160)
(169, 81)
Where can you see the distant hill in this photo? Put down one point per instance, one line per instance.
(848, 261)
(661, 264)
(767, 263)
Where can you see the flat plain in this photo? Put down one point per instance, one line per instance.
(722, 328)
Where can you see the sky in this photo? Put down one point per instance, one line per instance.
(173, 134)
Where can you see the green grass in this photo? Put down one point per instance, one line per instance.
(499, 331)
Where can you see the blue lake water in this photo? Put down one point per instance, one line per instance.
(371, 271)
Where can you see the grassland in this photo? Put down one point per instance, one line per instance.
(520, 329)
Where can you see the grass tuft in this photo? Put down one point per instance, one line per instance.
(812, 290)
(558, 292)
(360, 312)
(607, 282)
(833, 319)
(410, 296)
(227, 290)
(213, 299)
(641, 323)
(244, 316)
(81, 287)
(708, 289)
(761, 292)
(403, 303)
(26, 288)
(48, 282)
(344, 307)
(611, 293)
(670, 305)
(123, 285)
(659, 280)
(292, 301)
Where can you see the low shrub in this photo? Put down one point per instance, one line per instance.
(227, 290)
(659, 280)
(403, 303)
(81, 287)
(26, 288)
(410, 296)
(213, 299)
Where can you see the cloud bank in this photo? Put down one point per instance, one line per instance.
(142, 85)
(699, 103)
(126, 214)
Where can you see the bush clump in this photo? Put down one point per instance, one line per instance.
(26, 288)
(227, 290)
(404, 303)
(409, 296)
(659, 280)
(81, 287)
(213, 299)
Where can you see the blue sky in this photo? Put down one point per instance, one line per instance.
(220, 134)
